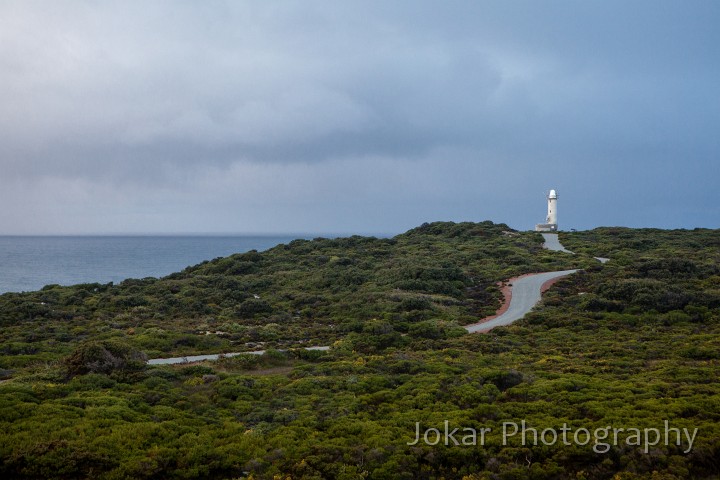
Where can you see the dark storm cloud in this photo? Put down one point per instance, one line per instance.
(174, 115)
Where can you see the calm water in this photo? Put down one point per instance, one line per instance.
(29, 263)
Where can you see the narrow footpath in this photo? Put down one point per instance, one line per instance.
(214, 356)
(524, 293)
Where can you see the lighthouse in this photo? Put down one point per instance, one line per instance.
(550, 224)
(552, 208)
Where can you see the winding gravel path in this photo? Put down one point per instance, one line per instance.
(215, 356)
(553, 243)
(526, 293)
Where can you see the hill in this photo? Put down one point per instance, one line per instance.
(628, 344)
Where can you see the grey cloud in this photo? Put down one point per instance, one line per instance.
(144, 99)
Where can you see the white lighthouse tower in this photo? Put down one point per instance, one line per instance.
(550, 224)
(552, 208)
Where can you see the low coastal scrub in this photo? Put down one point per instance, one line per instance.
(630, 344)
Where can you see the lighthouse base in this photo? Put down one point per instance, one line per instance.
(546, 227)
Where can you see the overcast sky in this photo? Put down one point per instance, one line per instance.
(356, 116)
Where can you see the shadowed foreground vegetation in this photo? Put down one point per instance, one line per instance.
(630, 343)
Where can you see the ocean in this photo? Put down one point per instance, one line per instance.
(31, 262)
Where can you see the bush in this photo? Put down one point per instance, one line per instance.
(252, 307)
(427, 329)
(104, 356)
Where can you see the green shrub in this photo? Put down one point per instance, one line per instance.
(104, 356)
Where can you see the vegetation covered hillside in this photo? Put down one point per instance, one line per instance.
(629, 344)
(306, 292)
